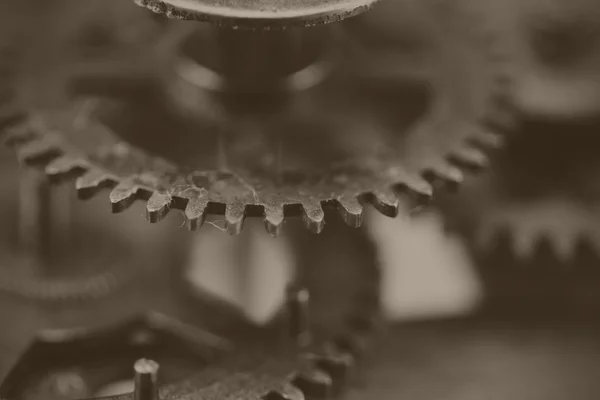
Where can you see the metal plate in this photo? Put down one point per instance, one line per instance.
(260, 13)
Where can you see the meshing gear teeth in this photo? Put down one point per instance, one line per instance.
(399, 164)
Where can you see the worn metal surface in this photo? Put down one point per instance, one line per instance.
(354, 139)
(259, 13)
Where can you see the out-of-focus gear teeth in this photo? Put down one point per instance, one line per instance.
(470, 158)
(274, 217)
(17, 135)
(313, 383)
(158, 206)
(386, 202)
(415, 198)
(234, 218)
(285, 392)
(351, 210)
(524, 242)
(195, 210)
(488, 140)
(10, 115)
(37, 151)
(65, 165)
(352, 344)
(91, 182)
(337, 365)
(563, 245)
(448, 174)
(314, 216)
(123, 195)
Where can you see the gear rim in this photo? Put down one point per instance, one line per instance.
(196, 202)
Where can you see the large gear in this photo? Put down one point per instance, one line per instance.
(327, 147)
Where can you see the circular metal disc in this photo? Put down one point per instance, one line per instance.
(259, 13)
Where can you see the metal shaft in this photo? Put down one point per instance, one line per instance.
(146, 380)
(255, 59)
(43, 223)
(298, 311)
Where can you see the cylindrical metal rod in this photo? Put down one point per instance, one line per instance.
(44, 221)
(255, 57)
(297, 299)
(34, 226)
(146, 380)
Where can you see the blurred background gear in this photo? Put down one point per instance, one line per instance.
(312, 128)
(556, 55)
(541, 188)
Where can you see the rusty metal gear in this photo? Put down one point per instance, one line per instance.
(351, 139)
(541, 191)
(229, 354)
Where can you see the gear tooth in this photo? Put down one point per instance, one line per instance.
(17, 135)
(449, 174)
(195, 211)
(10, 115)
(524, 243)
(564, 244)
(351, 210)
(36, 150)
(352, 344)
(274, 217)
(489, 140)
(123, 196)
(90, 182)
(158, 206)
(386, 202)
(63, 165)
(285, 392)
(234, 218)
(337, 365)
(314, 216)
(470, 157)
(313, 383)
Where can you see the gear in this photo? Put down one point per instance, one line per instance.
(109, 271)
(229, 353)
(269, 13)
(541, 189)
(349, 139)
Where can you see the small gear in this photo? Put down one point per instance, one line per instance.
(540, 190)
(348, 139)
(306, 351)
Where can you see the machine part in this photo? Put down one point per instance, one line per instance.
(47, 260)
(541, 190)
(307, 350)
(259, 14)
(349, 139)
(557, 58)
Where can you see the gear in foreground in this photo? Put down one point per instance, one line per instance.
(313, 127)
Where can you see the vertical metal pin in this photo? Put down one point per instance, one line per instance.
(34, 229)
(146, 380)
(299, 318)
